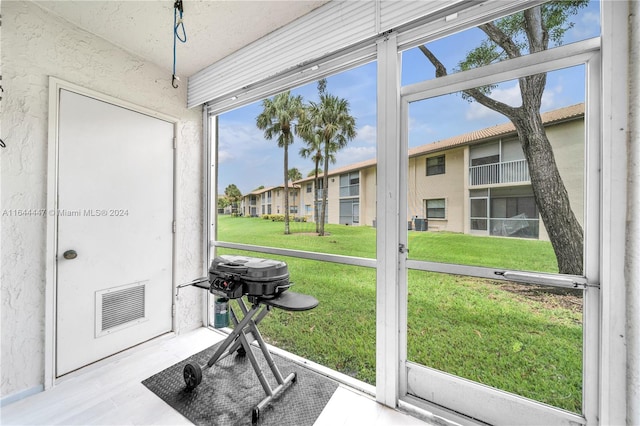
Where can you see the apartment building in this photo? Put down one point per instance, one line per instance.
(476, 183)
(270, 200)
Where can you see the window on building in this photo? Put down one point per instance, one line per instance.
(435, 165)
(491, 159)
(435, 208)
(479, 214)
(309, 188)
(349, 211)
(350, 184)
(514, 217)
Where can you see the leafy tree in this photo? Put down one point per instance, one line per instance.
(330, 121)
(234, 196)
(524, 33)
(223, 202)
(278, 120)
(294, 174)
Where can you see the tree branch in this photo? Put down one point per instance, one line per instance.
(501, 39)
(482, 99)
(441, 70)
(476, 94)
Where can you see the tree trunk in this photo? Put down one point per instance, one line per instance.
(286, 190)
(551, 197)
(325, 187)
(315, 200)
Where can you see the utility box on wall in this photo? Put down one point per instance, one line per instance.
(421, 224)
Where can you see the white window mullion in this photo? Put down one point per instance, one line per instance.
(388, 153)
(616, 19)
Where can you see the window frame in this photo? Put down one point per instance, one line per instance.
(389, 297)
(585, 53)
(444, 208)
(430, 168)
(350, 186)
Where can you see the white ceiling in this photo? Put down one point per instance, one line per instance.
(214, 28)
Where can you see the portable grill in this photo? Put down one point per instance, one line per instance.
(264, 282)
(237, 276)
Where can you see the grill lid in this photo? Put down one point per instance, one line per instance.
(250, 268)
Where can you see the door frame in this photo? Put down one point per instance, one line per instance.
(51, 284)
(586, 53)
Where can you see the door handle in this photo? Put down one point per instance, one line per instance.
(70, 254)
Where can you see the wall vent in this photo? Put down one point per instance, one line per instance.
(120, 307)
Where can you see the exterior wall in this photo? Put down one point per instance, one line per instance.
(450, 186)
(368, 183)
(36, 45)
(568, 144)
(333, 199)
(306, 198)
(247, 206)
(277, 202)
(567, 140)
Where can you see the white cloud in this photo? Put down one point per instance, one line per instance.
(354, 154)
(367, 135)
(225, 155)
(235, 139)
(419, 127)
(585, 27)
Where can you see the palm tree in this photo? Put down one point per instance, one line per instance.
(313, 150)
(278, 119)
(294, 174)
(331, 121)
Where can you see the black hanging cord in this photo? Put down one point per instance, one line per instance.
(178, 27)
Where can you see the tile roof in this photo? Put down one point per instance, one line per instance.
(477, 136)
(270, 188)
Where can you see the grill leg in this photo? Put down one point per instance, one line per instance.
(263, 313)
(238, 338)
(255, 415)
(237, 331)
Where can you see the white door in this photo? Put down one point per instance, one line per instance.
(115, 230)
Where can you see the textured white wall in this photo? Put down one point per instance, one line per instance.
(36, 45)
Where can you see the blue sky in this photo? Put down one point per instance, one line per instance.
(248, 160)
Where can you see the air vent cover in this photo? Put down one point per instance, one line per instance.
(120, 307)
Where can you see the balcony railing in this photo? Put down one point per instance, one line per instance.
(507, 172)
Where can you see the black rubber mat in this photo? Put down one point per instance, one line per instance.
(230, 390)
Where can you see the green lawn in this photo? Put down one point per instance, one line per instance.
(465, 326)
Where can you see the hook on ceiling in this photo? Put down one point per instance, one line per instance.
(179, 33)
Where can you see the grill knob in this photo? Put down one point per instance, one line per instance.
(70, 254)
